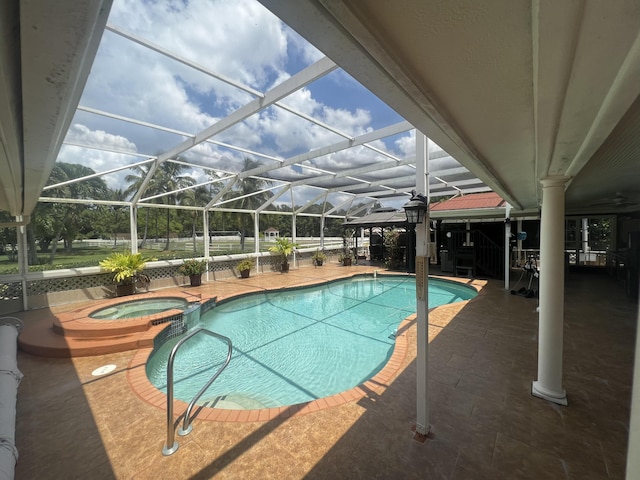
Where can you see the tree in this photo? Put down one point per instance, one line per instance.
(197, 197)
(600, 233)
(135, 181)
(169, 178)
(65, 219)
(8, 235)
(116, 213)
(247, 189)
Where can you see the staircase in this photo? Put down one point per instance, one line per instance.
(485, 257)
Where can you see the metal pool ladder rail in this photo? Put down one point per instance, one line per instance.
(171, 446)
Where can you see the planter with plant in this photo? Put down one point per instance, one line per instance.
(127, 272)
(283, 247)
(318, 258)
(244, 267)
(193, 269)
(345, 259)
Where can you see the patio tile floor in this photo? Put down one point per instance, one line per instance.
(485, 424)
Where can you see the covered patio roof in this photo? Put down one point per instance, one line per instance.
(385, 218)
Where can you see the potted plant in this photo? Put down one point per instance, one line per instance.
(318, 258)
(193, 269)
(244, 267)
(347, 239)
(346, 259)
(127, 270)
(283, 247)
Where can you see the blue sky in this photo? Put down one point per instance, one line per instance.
(239, 39)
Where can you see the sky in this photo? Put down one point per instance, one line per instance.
(237, 39)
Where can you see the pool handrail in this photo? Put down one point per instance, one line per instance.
(186, 416)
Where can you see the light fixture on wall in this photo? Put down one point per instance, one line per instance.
(416, 208)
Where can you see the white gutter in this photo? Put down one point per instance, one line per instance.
(10, 378)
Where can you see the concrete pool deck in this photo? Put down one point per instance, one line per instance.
(485, 423)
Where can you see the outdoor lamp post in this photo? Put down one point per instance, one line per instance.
(416, 208)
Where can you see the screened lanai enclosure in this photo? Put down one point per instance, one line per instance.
(191, 129)
(209, 129)
(192, 143)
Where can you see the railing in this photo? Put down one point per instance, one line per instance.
(486, 254)
(171, 446)
(489, 255)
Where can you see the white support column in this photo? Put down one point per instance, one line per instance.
(206, 233)
(133, 228)
(436, 239)
(585, 241)
(422, 291)
(519, 244)
(23, 261)
(549, 383)
(468, 235)
(294, 235)
(633, 459)
(205, 238)
(256, 238)
(507, 246)
(322, 232)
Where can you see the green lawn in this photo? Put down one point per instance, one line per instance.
(85, 256)
(89, 256)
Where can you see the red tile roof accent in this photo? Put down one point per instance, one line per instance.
(472, 200)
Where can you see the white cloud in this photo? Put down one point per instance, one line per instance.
(236, 38)
(407, 144)
(99, 160)
(81, 134)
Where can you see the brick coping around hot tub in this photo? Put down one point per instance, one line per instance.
(79, 323)
(146, 391)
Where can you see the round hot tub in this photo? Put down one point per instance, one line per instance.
(139, 308)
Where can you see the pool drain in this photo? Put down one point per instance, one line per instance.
(103, 370)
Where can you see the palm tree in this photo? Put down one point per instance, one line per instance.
(67, 219)
(169, 178)
(117, 195)
(198, 197)
(135, 181)
(249, 186)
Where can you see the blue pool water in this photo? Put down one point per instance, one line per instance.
(297, 345)
(139, 308)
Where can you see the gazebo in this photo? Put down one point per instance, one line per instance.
(270, 234)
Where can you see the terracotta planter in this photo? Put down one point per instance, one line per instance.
(196, 280)
(245, 273)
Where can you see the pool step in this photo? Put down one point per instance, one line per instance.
(237, 401)
(70, 326)
(39, 338)
(75, 333)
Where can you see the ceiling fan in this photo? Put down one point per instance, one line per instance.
(619, 200)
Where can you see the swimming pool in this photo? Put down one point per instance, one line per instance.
(297, 345)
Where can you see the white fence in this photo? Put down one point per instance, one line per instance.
(58, 287)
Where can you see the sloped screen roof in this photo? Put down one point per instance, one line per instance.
(215, 93)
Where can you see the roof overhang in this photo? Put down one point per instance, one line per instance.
(46, 52)
(515, 91)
